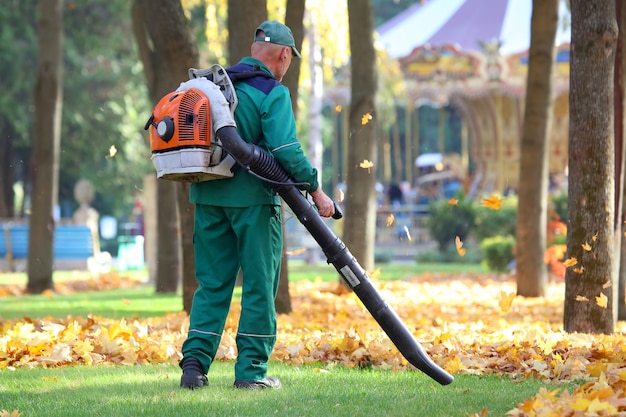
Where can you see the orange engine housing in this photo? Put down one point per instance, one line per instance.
(181, 139)
(190, 112)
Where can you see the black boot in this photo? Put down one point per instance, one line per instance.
(193, 377)
(267, 382)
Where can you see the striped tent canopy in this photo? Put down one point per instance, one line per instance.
(466, 24)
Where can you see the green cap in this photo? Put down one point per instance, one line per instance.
(276, 32)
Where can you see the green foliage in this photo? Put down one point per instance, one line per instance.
(446, 221)
(491, 222)
(383, 256)
(105, 105)
(104, 100)
(498, 252)
(558, 203)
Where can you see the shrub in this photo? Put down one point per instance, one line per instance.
(490, 223)
(446, 221)
(450, 255)
(558, 203)
(498, 252)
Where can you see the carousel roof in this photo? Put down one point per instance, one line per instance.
(466, 24)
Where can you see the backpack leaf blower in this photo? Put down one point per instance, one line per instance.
(201, 129)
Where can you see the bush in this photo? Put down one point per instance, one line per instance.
(447, 221)
(558, 203)
(383, 256)
(450, 255)
(498, 252)
(490, 222)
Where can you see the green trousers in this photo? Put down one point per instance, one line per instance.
(225, 240)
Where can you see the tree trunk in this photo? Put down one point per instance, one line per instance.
(591, 169)
(244, 16)
(46, 145)
(293, 18)
(167, 49)
(620, 156)
(360, 201)
(7, 169)
(531, 271)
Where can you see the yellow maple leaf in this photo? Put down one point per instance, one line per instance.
(459, 246)
(570, 262)
(594, 237)
(493, 202)
(14, 413)
(367, 165)
(390, 220)
(580, 404)
(365, 119)
(596, 406)
(602, 300)
(586, 246)
(112, 151)
(375, 274)
(453, 201)
(506, 301)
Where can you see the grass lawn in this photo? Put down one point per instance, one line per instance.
(152, 390)
(310, 390)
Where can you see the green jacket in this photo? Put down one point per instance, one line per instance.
(264, 116)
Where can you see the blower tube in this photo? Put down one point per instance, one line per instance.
(260, 162)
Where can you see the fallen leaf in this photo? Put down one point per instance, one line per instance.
(581, 298)
(112, 151)
(602, 300)
(506, 301)
(459, 246)
(367, 165)
(586, 246)
(570, 262)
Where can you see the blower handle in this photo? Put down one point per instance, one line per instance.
(338, 213)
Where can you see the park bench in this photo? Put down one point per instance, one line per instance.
(72, 247)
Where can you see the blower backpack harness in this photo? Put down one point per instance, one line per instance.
(187, 146)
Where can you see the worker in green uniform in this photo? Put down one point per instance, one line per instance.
(238, 223)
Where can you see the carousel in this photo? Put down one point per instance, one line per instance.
(472, 55)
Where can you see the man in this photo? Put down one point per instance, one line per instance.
(238, 223)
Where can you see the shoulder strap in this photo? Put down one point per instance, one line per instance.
(242, 72)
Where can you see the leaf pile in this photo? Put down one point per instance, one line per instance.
(472, 324)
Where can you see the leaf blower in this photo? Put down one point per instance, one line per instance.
(193, 137)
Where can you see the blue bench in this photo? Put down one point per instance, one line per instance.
(72, 246)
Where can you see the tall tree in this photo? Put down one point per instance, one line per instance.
(243, 17)
(591, 169)
(360, 201)
(167, 50)
(620, 162)
(294, 17)
(46, 145)
(531, 272)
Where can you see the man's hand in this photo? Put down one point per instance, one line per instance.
(325, 205)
